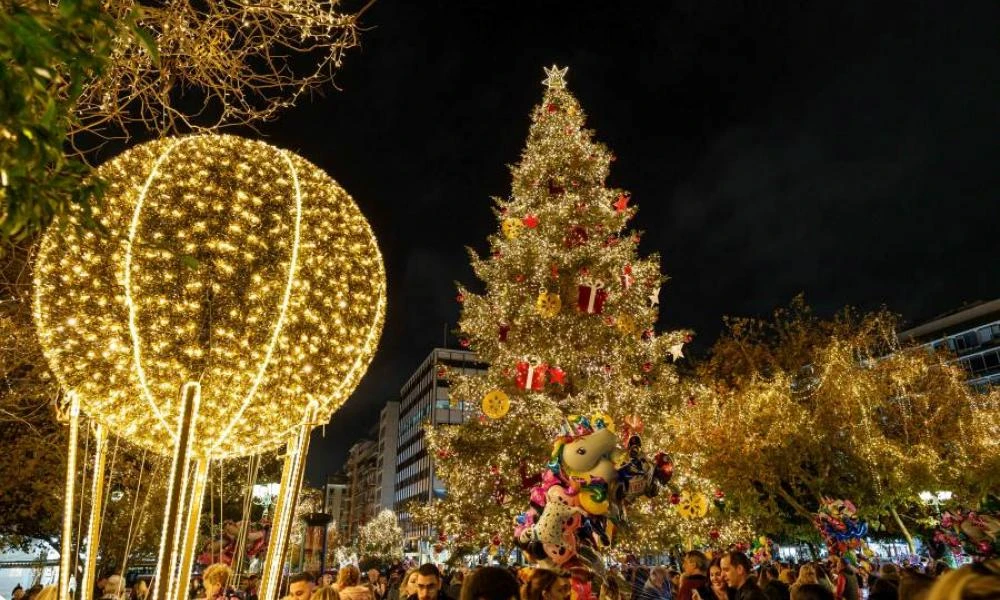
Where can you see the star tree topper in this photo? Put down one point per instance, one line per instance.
(556, 77)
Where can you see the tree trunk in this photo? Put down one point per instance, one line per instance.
(904, 530)
(794, 503)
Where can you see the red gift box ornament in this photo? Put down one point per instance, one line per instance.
(531, 375)
(627, 277)
(591, 297)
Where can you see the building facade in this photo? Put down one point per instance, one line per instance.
(972, 333)
(336, 504)
(362, 475)
(388, 436)
(424, 400)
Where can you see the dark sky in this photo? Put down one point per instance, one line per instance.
(849, 152)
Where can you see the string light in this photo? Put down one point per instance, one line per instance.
(381, 538)
(70, 495)
(225, 261)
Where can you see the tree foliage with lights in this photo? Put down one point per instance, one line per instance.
(795, 409)
(565, 321)
(381, 539)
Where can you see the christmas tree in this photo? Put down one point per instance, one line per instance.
(566, 323)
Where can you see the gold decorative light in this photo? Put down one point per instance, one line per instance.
(225, 261)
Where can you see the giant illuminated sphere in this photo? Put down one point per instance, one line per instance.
(225, 261)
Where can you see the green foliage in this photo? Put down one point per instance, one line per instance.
(47, 54)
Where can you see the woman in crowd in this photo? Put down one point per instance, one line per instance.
(715, 578)
(215, 578)
(349, 586)
(975, 581)
(546, 585)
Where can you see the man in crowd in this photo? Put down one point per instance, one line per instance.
(847, 581)
(300, 586)
(657, 586)
(694, 577)
(429, 584)
(737, 570)
(377, 584)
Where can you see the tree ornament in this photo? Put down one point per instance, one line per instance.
(664, 466)
(530, 221)
(576, 237)
(548, 304)
(675, 498)
(552, 107)
(627, 278)
(654, 297)
(676, 351)
(554, 271)
(460, 298)
(511, 228)
(693, 506)
(556, 187)
(626, 324)
(519, 278)
(591, 297)
(558, 376)
(496, 404)
(531, 375)
(504, 331)
(714, 534)
(555, 77)
(622, 203)
(442, 371)
(464, 342)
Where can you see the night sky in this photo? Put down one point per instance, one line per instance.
(848, 152)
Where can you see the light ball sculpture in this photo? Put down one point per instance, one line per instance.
(225, 261)
(231, 299)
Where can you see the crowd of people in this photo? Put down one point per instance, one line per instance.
(728, 576)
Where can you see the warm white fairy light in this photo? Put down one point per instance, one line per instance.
(96, 506)
(225, 261)
(67, 528)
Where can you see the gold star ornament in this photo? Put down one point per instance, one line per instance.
(556, 77)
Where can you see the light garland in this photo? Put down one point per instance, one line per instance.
(226, 261)
(66, 544)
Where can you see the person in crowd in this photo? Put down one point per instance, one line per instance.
(455, 585)
(32, 592)
(695, 577)
(786, 575)
(614, 587)
(251, 585)
(824, 578)
(638, 579)
(111, 589)
(773, 588)
(974, 581)
(807, 576)
(325, 592)
(488, 583)
(657, 586)
(140, 590)
(327, 579)
(718, 580)
(914, 585)
(215, 578)
(544, 584)
(846, 586)
(17, 593)
(349, 586)
(429, 584)
(377, 584)
(883, 589)
(674, 576)
(889, 572)
(49, 592)
(739, 576)
(812, 591)
(301, 586)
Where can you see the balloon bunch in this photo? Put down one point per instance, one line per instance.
(838, 523)
(762, 550)
(581, 495)
(971, 533)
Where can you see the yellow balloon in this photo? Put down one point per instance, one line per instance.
(496, 404)
(592, 506)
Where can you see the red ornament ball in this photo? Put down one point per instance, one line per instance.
(530, 221)
(551, 107)
(647, 367)
(719, 494)
(675, 498)
(463, 342)
(714, 534)
(460, 298)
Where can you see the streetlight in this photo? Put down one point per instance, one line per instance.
(264, 495)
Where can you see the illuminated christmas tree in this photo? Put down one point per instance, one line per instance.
(566, 323)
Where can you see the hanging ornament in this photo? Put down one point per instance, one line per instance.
(558, 376)
(622, 203)
(714, 534)
(647, 367)
(576, 237)
(519, 278)
(556, 187)
(664, 468)
(496, 404)
(591, 297)
(625, 324)
(554, 271)
(654, 297)
(531, 375)
(511, 228)
(548, 304)
(442, 371)
(675, 498)
(460, 298)
(676, 351)
(504, 330)
(693, 506)
(530, 221)
(463, 342)
(551, 107)
(627, 278)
